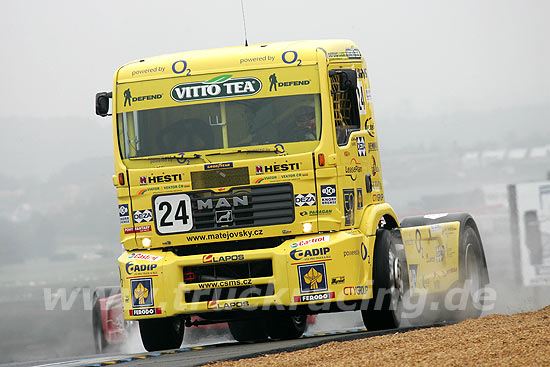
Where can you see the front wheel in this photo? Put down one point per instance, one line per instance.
(161, 334)
(286, 326)
(248, 330)
(390, 282)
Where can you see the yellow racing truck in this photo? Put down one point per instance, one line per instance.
(250, 191)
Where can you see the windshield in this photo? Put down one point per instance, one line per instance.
(218, 125)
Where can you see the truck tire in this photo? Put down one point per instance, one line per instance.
(248, 330)
(471, 270)
(286, 326)
(390, 284)
(100, 343)
(161, 334)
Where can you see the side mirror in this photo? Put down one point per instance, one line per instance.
(102, 103)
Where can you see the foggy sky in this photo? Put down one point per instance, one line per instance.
(424, 57)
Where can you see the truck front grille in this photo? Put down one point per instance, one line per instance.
(227, 271)
(218, 294)
(260, 205)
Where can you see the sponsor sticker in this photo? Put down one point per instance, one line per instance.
(314, 297)
(146, 311)
(328, 194)
(142, 216)
(349, 206)
(310, 254)
(124, 214)
(142, 292)
(222, 86)
(146, 257)
(361, 147)
(304, 199)
(338, 280)
(310, 241)
(137, 229)
(217, 259)
(359, 198)
(218, 165)
(313, 278)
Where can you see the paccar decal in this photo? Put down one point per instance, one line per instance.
(349, 206)
(124, 214)
(328, 194)
(313, 278)
(219, 87)
(142, 292)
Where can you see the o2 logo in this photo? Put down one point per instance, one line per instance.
(290, 57)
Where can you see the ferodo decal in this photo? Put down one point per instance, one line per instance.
(349, 206)
(218, 259)
(314, 297)
(222, 86)
(313, 278)
(142, 292)
(146, 311)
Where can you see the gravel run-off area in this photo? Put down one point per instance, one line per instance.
(521, 339)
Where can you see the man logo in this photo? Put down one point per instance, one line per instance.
(224, 216)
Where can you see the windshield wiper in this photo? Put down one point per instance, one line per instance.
(180, 157)
(278, 149)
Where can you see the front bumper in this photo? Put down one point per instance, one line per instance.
(310, 269)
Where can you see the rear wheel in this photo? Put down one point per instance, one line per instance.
(248, 330)
(390, 281)
(161, 334)
(471, 282)
(286, 326)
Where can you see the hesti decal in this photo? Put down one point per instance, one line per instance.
(313, 277)
(277, 168)
(328, 194)
(222, 86)
(142, 292)
(124, 214)
(349, 206)
(304, 199)
(144, 180)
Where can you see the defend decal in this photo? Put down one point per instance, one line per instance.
(124, 214)
(328, 194)
(222, 86)
(304, 199)
(142, 292)
(313, 278)
(349, 206)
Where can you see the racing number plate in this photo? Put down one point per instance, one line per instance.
(173, 213)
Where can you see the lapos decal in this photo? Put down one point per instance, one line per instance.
(214, 305)
(222, 86)
(217, 259)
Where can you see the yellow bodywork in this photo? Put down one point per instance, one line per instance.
(334, 260)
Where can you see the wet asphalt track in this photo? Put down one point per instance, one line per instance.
(201, 355)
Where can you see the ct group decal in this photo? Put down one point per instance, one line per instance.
(304, 199)
(142, 292)
(313, 278)
(328, 194)
(356, 291)
(222, 86)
